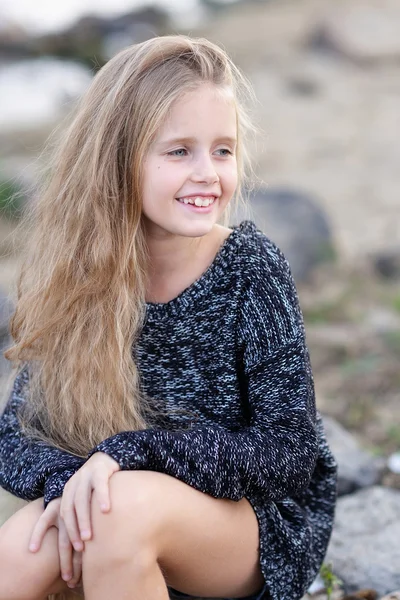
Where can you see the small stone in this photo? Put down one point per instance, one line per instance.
(357, 468)
(394, 463)
(317, 586)
(366, 594)
(387, 263)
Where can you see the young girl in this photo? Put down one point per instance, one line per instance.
(163, 418)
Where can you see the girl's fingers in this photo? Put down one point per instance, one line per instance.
(46, 520)
(69, 517)
(76, 500)
(82, 508)
(76, 569)
(65, 551)
(101, 485)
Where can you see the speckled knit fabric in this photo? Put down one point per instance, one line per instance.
(227, 360)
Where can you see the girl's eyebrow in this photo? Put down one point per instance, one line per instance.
(191, 140)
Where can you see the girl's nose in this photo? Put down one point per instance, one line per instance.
(204, 171)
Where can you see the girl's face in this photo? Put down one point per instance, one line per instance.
(191, 162)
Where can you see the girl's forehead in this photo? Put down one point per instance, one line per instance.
(204, 91)
(206, 104)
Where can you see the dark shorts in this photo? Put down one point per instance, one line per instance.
(262, 595)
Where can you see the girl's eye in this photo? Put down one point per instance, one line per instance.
(225, 150)
(175, 152)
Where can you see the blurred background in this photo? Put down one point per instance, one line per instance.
(327, 158)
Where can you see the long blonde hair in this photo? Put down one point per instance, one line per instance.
(81, 290)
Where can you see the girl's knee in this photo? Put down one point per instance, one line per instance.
(130, 530)
(135, 499)
(136, 488)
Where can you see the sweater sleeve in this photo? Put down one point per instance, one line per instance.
(30, 468)
(274, 456)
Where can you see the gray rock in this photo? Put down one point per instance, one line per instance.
(365, 548)
(296, 223)
(356, 467)
(387, 264)
(360, 32)
(394, 462)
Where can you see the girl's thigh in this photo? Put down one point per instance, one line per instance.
(206, 546)
(19, 566)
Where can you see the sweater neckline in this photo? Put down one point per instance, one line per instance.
(201, 286)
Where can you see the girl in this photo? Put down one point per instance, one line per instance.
(163, 419)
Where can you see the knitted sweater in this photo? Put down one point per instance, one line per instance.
(227, 363)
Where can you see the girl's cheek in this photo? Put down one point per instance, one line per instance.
(231, 176)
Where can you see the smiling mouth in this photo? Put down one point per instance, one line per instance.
(198, 201)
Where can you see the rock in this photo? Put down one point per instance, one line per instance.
(362, 595)
(394, 463)
(83, 39)
(317, 586)
(356, 467)
(303, 86)
(93, 35)
(364, 548)
(296, 223)
(387, 264)
(336, 594)
(361, 33)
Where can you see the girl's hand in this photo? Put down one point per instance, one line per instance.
(70, 561)
(71, 513)
(76, 499)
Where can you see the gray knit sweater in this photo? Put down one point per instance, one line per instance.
(226, 362)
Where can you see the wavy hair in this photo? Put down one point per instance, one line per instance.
(81, 288)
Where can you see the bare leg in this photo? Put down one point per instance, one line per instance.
(121, 566)
(24, 575)
(128, 581)
(159, 532)
(162, 532)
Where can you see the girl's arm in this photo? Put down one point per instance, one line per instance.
(30, 468)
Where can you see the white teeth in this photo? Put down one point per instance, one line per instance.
(198, 201)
